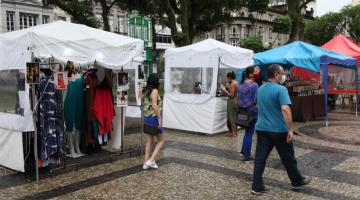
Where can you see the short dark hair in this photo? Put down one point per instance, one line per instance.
(274, 69)
(231, 75)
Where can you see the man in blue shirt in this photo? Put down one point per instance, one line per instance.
(274, 128)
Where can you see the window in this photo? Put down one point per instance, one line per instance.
(45, 19)
(12, 81)
(163, 39)
(271, 17)
(27, 20)
(121, 24)
(10, 21)
(234, 42)
(146, 34)
(187, 80)
(260, 31)
(234, 30)
(137, 32)
(61, 18)
(270, 33)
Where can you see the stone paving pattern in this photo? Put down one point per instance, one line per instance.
(196, 166)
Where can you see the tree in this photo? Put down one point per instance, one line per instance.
(194, 16)
(106, 6)
(281, 25)
(253, 42)
(81, 11)
(295, 8)
(324, 28)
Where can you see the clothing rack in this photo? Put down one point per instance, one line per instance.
(65, 163)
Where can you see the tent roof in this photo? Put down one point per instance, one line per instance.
(207, 53)
(67, 41)
(303, 55)
(343, 45)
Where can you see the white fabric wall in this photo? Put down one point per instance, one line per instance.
(11, 150)
(205, 117)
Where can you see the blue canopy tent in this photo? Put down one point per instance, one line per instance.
(308, 57)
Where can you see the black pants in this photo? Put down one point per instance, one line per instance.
(265, 143)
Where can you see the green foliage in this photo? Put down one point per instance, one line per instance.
(80, 10)
(324, 28)
(195, 16)
(253, 42)
(282, 24)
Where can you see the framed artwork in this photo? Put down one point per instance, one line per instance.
(122, 97)
(60, 80)
(32, 73)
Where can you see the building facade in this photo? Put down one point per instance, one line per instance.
(117, 18)
(21, 14)
(355, 2)
(247, 24)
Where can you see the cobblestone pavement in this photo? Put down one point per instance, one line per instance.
(195, 166)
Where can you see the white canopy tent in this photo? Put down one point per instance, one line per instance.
(61, 41)
(200, 62)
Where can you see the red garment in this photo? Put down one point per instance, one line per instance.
(103, 109)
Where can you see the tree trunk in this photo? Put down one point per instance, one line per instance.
(184, 7)
(294, 12)
(105, 13)
(171, 19)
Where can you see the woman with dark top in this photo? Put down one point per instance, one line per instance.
(152, 116)
(246, 98)
(231, 103)
(258, 78)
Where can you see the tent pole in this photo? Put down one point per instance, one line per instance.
(356, 90)
(325, 79)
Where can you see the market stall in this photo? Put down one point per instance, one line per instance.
(308, 57)
(59, 42)
(341, 80)
(188, 106)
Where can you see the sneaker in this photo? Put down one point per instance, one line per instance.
(152, 164)
(146, 166)
(259, 192)
(306, 180)
(242, 154)
(249, 159)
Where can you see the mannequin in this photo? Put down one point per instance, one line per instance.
(73, 113)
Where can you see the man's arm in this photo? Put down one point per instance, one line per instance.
(286, 111)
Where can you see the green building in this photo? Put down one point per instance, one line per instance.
(140, 27)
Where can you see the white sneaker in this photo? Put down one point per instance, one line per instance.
(152, 164)
(146, 166)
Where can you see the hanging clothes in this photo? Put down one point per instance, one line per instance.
(51, 135)
(89, 96)
(73, 105)
(103, 109)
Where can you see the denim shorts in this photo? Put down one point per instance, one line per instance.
(153, 120)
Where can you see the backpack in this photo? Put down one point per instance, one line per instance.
(244, 117)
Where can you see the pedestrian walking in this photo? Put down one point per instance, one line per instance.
(274, 128)
(230, 91)
(152, 116)
(246, 99)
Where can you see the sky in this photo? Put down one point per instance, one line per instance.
(325, 6)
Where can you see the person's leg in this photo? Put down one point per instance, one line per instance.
(247, 141)
(286, 153)
(149, 142)
(264, 146)
(234, 129)
(159, 145)
(228, 124)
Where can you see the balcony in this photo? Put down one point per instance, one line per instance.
(234, 35)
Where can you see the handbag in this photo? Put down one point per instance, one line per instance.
(244, 117)
(151, 129)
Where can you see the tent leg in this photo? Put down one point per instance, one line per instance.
(35, 136)
(356, 91)
(325, 79)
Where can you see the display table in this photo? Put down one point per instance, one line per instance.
(306, 108)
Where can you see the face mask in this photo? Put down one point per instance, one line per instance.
(283, 79)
